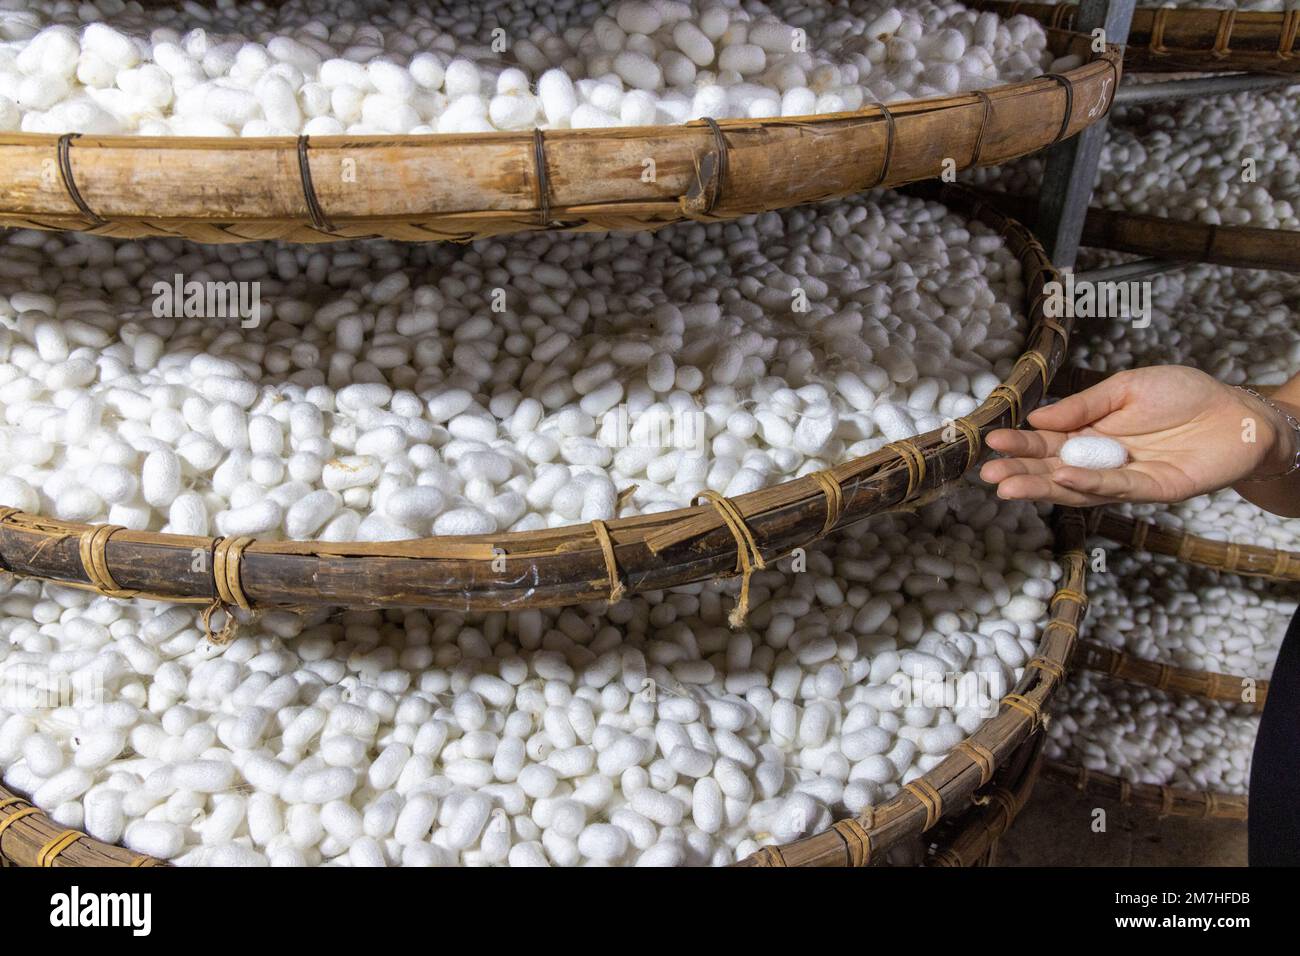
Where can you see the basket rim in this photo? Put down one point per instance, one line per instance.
(970, 765)
(462, 186)
(971, 838)
(1246, 247)
(1166, 800)
(1185, 39)
(28, 837)
(1230, 557)
(568, 565)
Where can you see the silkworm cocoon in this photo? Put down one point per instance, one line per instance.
(1096, 452)
(462, 78)
(603, 842)
(155, 838)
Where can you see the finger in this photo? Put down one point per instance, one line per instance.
(1025, 443)
(1000, 469)
(1042, 488)
(1120, 484)
(1083, 408)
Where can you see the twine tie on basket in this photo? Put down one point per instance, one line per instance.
(1068, 85)
(1157, 43)
(971, 432)
(1012, 399)
(857, 841)
(1287, 35)
(1036, 359)
(1139, 539)
(8, 821)
(1069, 594)
(978, 148)
(70, 183)
(834, 499)
(616, 588)
(1047, 666)
(889, 144)
(929, 797)
(50, 852)
(93, 545)
(542, 179)
(748, 557)
(980, 755)
(314, 209)
(1031, 708)
(227, 557)
(914, 458)
(1223, 36)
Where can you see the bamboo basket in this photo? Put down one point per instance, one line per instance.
(922, 803)
(1246, 559)
(1168, 40)
(972, 839)
(1166, 677)
(29, 838)
(575, 564)
(1245, 247)
(461, 187)
(1165, 801)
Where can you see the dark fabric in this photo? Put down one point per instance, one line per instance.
(1274, 825)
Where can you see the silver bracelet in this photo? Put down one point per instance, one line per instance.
(1291, 422)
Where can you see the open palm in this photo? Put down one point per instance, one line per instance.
(1186, 435)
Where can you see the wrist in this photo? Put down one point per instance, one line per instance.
(1276, 428)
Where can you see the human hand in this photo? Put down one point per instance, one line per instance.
(1186, 435)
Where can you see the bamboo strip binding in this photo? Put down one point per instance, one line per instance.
(565, 565)
(951, 784)
(465, 186)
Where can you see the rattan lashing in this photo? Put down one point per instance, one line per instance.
(464, 186)
(565, 565)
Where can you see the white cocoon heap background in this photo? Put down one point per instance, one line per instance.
(463, 68)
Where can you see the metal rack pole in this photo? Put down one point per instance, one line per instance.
(1201, 86)
(1071, 171)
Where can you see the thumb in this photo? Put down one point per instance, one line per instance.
(1083, 408)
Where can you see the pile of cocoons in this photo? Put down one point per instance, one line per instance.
(375, 67)
(384, 395)
(1185, 159)
(1148, 736)
(1161, 609)
(648, 732)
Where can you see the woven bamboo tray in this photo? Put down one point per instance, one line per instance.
(1169, 40)
(29, 838)
(1166, 677)
(461, 187)
(601, 560)
(1165, 801)
(922, 803)
(1228, 556)
(972, 839)
(1245, 247)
